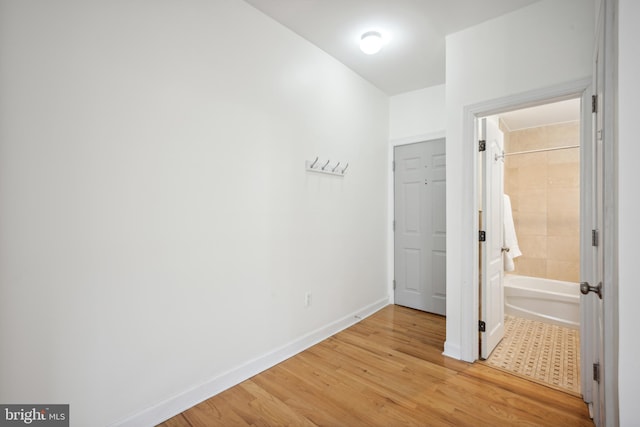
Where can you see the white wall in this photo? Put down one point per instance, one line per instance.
(542, 45)
(417, 113)
(628, 211)
(157, 226)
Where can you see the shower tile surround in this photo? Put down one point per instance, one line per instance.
(545, 196)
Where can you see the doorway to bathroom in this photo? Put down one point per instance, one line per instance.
(530, 252)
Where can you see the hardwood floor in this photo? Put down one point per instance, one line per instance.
(387, 370)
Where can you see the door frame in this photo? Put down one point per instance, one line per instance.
(609, 371)
(391, 246)
(586, 213)
(470, 290)
(472, 113)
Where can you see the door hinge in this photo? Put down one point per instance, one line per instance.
(482, 236)
(394, 225)
(594, 103)
(394, 284)
(393, 166)
(595, 239)
(596, 372)
(482, 327)
(482, 145)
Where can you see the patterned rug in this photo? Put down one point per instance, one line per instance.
(541, 352)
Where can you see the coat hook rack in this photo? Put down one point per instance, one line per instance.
(313, 166)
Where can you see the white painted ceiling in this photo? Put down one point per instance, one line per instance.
(548, 114)
(414, 57)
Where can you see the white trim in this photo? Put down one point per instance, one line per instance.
(418, 138)
(187, 399)
(391, 199)
(610, 232)
(452, 351)
(469, 299)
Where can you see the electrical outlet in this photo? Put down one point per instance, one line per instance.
(307, 299)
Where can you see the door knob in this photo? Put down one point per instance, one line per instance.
(585, 288)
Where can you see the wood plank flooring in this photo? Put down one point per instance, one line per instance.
(387, 370)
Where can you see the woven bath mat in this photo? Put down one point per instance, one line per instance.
(541, 352)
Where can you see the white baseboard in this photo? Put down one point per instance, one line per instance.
(452, 351)
(185, 400)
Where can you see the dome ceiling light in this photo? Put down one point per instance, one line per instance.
(371, 42)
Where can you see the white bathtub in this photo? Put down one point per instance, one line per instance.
(545, 300)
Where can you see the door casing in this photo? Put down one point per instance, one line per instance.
(579, 88)
(609, 233)
(391, 200)
(469, 307)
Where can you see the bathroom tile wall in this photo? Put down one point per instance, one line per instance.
(545, 195)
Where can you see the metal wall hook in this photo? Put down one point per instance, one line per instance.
(314, 166)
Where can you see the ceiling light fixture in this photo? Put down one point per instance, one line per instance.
(371, 42)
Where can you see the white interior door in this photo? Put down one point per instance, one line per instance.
(491, 289)
(592, 302)
(420, 226)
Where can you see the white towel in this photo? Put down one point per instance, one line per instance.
(510, 239)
